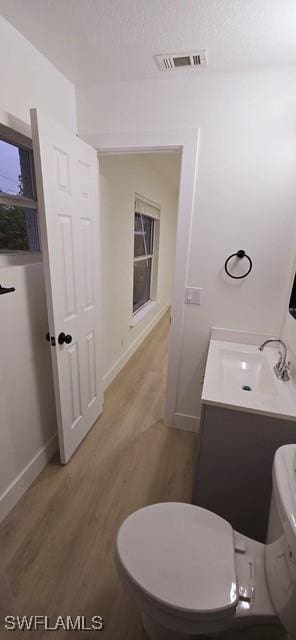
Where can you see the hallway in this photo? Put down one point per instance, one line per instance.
(58, 542)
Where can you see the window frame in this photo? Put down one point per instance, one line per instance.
(147, 256)
(19, 140)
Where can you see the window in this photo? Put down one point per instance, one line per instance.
(18, 204)
(144, 252)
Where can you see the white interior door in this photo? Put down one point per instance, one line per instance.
(67, 189)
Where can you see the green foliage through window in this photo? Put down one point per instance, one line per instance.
(18, 229)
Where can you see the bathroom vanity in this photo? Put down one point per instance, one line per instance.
(247, 413)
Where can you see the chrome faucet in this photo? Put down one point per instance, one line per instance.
(281, 368)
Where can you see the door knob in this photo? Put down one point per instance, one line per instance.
(64, 338)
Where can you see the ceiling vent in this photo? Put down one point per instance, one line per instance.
(173, 61)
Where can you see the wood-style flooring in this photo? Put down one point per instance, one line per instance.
(58, 542)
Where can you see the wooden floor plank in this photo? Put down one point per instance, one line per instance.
(58, 542)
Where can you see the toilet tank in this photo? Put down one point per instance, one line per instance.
(280, 549)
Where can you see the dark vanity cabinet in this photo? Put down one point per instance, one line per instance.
(234, 466)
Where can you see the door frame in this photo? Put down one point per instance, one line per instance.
(185, 140)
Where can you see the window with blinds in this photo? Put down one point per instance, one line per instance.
(147, 217)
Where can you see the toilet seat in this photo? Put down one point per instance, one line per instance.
(182, 557)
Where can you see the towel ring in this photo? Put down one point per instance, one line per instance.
(239, 254)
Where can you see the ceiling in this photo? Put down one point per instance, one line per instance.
(101, 41)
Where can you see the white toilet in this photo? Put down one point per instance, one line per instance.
(191, 574)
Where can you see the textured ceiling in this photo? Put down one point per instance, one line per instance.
(96, 41)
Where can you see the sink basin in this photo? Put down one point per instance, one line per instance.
(248, 372)
(238, 376)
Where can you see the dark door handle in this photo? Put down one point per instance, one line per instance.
(64, 338)
(6, 290)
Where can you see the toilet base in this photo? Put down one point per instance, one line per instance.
(154, 631)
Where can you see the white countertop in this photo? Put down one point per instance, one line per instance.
(231, 366)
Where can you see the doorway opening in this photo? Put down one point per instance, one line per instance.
(185, 143)
(142, 259)
(139, 195)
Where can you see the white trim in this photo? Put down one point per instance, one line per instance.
(186, 422)
(121, 362)
(14, 136)
(20, 259)
(112, 151)
(187, 141)
(142, 312)
(17, 201)
(22, 482)
(155, 262)
(145, 257)
(154, 204)
(147, 208)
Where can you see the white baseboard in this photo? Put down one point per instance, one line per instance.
(186, 422)
(121, 362)
(21, 483)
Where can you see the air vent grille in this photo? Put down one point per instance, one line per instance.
(177, 61)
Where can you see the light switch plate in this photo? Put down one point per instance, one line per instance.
(193, 295)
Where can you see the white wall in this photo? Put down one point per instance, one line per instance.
(27, 410)
(121, 176)
(245, 195)
(28, 80)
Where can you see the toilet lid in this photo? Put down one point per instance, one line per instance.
(181, 555)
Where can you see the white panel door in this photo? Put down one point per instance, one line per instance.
(67, 189)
